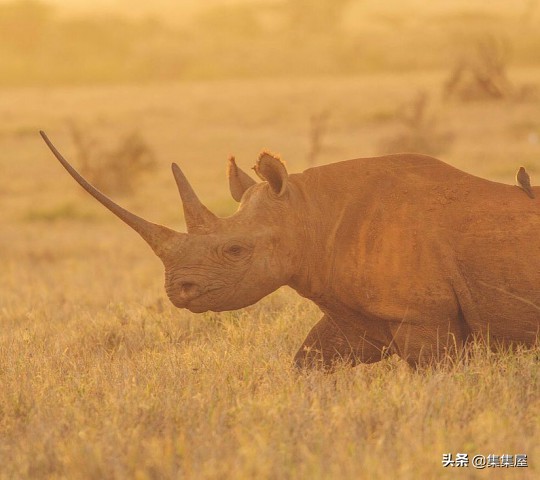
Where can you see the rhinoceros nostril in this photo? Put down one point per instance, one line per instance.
(188, 289)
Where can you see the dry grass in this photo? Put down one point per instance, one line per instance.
(103, 379)
(129, 393)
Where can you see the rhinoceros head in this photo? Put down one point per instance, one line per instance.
(220, 263)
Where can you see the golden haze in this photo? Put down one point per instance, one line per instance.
(100, 377)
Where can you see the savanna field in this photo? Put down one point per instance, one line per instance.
(101, 377)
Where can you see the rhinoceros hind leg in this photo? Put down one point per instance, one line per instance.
(329, 344)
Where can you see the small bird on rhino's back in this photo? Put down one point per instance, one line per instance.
(524, 181)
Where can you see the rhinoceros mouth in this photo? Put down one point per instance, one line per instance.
(190, 303)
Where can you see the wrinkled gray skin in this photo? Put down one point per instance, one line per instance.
(403, 254)
(239, 262)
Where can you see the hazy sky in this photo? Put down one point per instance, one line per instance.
(175, 10)
(133, 5)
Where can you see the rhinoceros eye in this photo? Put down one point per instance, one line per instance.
(234, 250)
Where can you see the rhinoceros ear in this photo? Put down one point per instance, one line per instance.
(271, 169)
(239, 181)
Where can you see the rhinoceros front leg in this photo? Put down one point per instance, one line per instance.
(330, 343)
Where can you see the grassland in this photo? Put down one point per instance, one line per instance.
(100, 377)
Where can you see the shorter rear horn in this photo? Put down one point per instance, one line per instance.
(198, 218)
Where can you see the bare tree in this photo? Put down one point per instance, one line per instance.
(484, 73)
(318, 128)
(419, 131)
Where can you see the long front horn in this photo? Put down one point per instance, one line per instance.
(198, 218)
(157, 236)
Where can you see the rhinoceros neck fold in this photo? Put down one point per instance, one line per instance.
(325, 218)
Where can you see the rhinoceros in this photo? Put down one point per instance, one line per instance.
(403, 254)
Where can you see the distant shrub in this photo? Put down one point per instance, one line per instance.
(483, 74)
(419, 131)
(116, 169)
